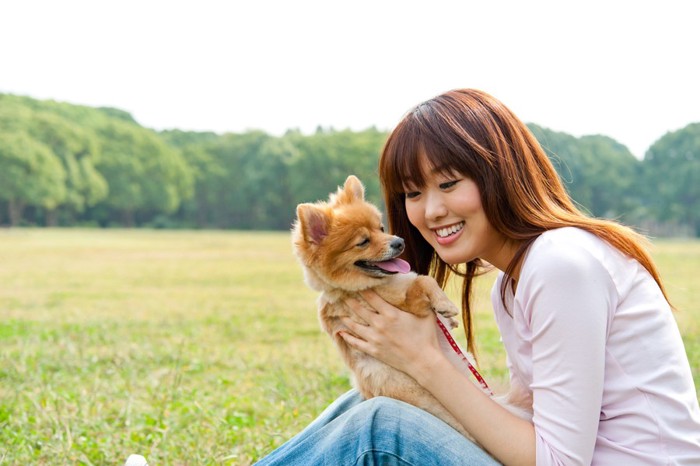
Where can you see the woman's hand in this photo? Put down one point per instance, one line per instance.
(397, 338)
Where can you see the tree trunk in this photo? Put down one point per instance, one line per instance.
(127, 218)
(14, 211)
(51, 217)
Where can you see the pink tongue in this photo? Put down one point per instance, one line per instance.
(394, 265)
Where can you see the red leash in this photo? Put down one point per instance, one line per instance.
(459, 352)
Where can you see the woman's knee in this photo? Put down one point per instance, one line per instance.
(389, 431)
(381, 405)
(382, 413)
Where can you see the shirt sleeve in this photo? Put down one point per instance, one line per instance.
(568, 299)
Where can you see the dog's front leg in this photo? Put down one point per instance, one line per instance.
(435, 297)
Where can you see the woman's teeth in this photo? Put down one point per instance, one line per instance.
(451, 230)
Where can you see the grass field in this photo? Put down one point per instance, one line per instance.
(187, 347)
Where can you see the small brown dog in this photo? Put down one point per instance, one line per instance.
(343, 249)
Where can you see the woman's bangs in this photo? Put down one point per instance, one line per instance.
(441, 161)
(401, 164)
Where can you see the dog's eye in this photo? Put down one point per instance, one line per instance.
(363, 243)
(381, 227)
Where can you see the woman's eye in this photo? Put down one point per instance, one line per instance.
(412, 194)
(363, 243)
(448, 184)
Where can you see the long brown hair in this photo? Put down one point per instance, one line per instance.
(470, 132)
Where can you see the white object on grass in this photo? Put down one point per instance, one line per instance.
(136, 460)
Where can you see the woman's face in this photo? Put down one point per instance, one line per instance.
(448, 213)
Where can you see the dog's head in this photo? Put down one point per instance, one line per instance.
(342, 244)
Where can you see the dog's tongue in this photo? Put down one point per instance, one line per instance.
(394, 265)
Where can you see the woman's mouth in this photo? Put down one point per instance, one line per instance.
(446, 235)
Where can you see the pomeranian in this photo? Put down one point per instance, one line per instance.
(343, 249)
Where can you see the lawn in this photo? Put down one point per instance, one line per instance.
(187, 347)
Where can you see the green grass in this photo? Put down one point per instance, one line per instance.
(186, 347)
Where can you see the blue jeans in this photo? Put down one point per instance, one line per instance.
(380, 431)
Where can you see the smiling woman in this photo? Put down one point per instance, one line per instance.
(579, 303)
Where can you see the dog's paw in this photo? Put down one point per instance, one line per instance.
(449, 312)
(446, 308)
(453, 323)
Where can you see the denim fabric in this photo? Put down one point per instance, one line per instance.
(379, 431)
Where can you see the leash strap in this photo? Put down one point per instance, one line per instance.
(459, 352)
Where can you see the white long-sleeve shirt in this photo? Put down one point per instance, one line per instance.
(590, 333)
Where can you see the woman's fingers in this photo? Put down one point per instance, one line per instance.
(383, 331)
(353, 326)
(361, 309)
(356, 335)
(355, 342)
(375, 301)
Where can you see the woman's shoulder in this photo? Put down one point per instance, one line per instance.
(561, 255)
(567, 242)
(572, 252)
(568, 235)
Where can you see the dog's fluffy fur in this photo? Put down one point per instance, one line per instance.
(343, 249)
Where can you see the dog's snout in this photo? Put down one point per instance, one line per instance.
(397, 244)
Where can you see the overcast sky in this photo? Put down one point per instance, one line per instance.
(626, 69)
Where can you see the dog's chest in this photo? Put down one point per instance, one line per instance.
(332, 305)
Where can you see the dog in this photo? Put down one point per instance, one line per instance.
(343, 249)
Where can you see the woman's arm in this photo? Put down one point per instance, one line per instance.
(507, 437)
(410, 344)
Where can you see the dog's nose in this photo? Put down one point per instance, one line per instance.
(397, 243)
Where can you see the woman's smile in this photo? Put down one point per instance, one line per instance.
(448, 234)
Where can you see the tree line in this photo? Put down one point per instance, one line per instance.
(72, 165)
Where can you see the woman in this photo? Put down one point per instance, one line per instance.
(582, 312)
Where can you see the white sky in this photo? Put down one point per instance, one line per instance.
(626, 69)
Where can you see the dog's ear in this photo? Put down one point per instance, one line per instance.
(352, 190)
(313, 222)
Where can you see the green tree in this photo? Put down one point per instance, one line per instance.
(598, 172)
(200, 209)
(31, 175)
(327, 157)
(78, 150)
(110, 162)
(672, 177)
(269, 189)
(610, 172)
(143, 173)
(245, 174)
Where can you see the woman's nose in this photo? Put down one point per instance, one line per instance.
(435, 207)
